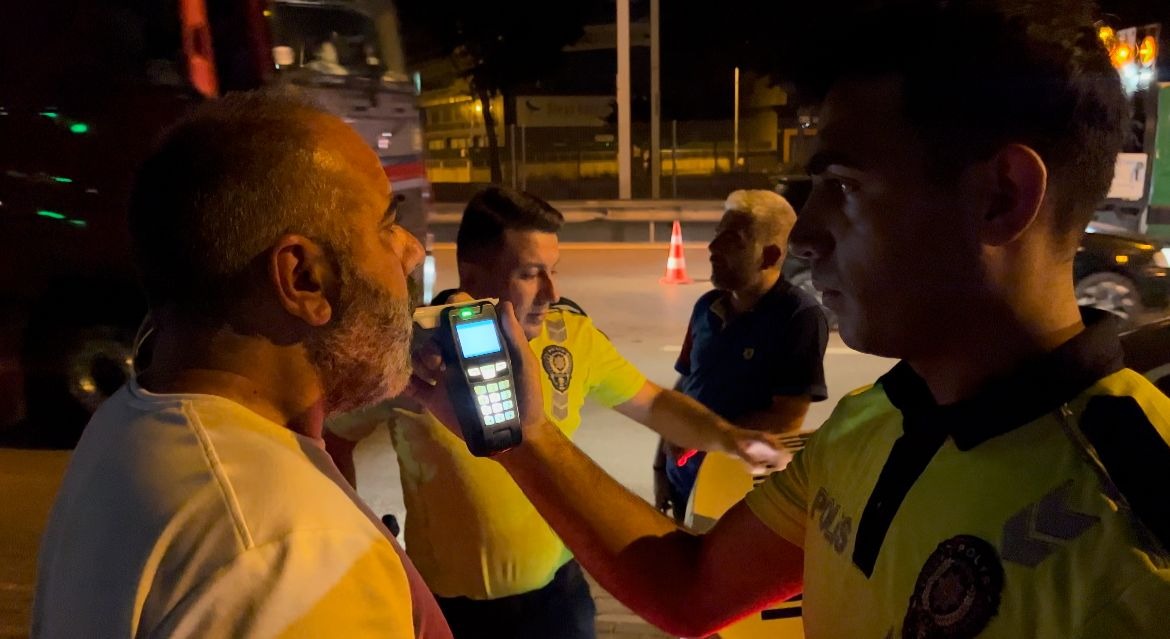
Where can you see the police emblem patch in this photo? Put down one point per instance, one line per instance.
(558, 365)
(957, 592)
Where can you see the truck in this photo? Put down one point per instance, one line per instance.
(1139, 197)
(86, 89)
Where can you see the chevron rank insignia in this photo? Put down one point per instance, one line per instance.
(560, 406)
(1037, 531)
(557, 331)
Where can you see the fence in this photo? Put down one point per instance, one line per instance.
(698, 160)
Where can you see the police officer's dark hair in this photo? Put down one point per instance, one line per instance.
(221, 187)
(494, 210)
(979, 74)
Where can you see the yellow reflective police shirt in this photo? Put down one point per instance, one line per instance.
(469, 529)
(1018, 521)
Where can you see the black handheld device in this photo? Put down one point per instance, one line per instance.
(479, 377)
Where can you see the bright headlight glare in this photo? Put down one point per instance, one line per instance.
(1162, 258)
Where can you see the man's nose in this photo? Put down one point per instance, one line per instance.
(549, 288)
(717, 243)
(798, 245)
(412, 251)
(809, 238)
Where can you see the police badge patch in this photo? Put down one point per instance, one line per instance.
(558, 365)
(957, 592)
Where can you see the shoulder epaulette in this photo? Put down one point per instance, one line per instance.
(566, 304)
(441, 297)
(859, 391)
(1135, 456)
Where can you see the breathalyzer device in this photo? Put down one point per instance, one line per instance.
(479, 377)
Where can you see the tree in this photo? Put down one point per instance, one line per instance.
(500, 47)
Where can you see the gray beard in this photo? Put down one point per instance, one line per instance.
(364, 356)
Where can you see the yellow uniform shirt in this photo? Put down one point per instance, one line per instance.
(469, 529)
(1003, 516)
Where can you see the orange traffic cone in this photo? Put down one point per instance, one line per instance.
(676, 263)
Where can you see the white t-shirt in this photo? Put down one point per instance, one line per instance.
(192, 516)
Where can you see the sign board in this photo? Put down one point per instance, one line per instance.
(563, 110)
(1129, 177)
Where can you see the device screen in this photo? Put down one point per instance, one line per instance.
(478, 338)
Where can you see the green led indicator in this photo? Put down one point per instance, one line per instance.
(467, 312)
(79, 128)
(52, 115)
(62, 180)
(53, 215)
(79, 223)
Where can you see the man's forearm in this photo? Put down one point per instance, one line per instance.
(686, 423)
(636, 553)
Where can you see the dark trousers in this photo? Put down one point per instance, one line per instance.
(561, 610)
(682, 482)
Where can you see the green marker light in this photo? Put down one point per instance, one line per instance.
(52, 115)
(62, 180)
(52, 215)
(467, 312)
(79, 128)
(79, 223)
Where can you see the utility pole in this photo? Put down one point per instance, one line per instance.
(623, 98)
(735, 126)
(655, 106)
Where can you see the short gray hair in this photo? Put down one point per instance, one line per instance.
(772, 216)
(224, 184)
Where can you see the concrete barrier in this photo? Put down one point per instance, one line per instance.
(614, 210)
(608, 220)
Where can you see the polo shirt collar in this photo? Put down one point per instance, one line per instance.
(1037, 387)
(771, 298)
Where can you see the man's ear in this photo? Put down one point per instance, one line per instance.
(1018, 179)
(304, 279)
(472, 276)
(773, 255)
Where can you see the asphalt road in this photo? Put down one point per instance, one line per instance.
(28, 482)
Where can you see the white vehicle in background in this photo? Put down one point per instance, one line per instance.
(97, 88)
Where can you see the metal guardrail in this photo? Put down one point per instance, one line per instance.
(610, 210)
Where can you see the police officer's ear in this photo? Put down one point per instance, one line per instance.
(473, 276)
(1016, 180)
(771, 256)
(304, 278)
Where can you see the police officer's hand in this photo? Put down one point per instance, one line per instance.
(428, 381)
(763, 452)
